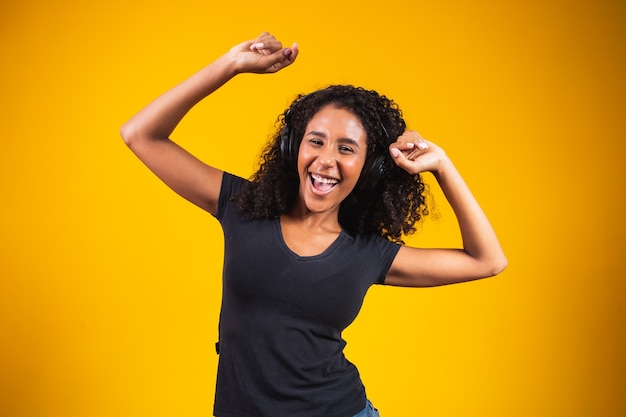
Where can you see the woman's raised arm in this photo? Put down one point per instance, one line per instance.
(147, 133)
(481, 255)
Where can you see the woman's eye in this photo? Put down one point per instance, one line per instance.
(316, 142)
(346, 149)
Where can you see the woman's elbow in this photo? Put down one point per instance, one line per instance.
(497, 266)
(128, 132)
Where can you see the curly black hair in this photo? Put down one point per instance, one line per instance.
(390, 210)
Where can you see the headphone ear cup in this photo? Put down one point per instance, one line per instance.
(288, 147)
(372, 174)
(285, 145)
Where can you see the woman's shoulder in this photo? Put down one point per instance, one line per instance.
(375, 251)
(373, 240)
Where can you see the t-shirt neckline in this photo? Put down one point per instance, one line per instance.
(324, 254)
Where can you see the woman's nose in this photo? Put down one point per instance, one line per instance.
(328, 157)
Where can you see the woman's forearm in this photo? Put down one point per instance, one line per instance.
(479, 238)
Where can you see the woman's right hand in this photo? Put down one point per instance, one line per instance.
(263, 55)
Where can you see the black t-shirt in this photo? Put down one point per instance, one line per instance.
(281, 350)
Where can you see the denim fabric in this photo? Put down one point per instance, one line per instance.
(368, 411)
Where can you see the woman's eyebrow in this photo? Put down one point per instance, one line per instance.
(349, 141)
(316, 133)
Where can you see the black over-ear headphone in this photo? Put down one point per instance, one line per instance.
(372, 172)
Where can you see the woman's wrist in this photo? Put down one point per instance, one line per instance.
(444, 167)
(228, 65)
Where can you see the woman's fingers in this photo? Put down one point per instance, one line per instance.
(414, 154)
(272, 56)
(419, 147)
(266, 44)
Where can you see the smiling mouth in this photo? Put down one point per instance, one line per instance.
(323, 184)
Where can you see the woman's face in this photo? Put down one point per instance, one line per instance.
(331, 157)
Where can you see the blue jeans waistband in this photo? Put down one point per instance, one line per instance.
(368, 411)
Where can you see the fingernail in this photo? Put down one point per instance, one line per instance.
(394, 152)
(422, 145)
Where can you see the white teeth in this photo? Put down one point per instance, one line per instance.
(323, 180)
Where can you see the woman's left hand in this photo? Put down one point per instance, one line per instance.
(415, 154)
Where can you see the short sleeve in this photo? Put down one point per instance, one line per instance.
(388, 251)
(231, 184)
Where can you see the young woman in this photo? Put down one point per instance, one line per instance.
(318, 224)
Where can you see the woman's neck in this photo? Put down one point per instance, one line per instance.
(305, 219)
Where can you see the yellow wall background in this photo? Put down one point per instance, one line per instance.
(110, 283)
